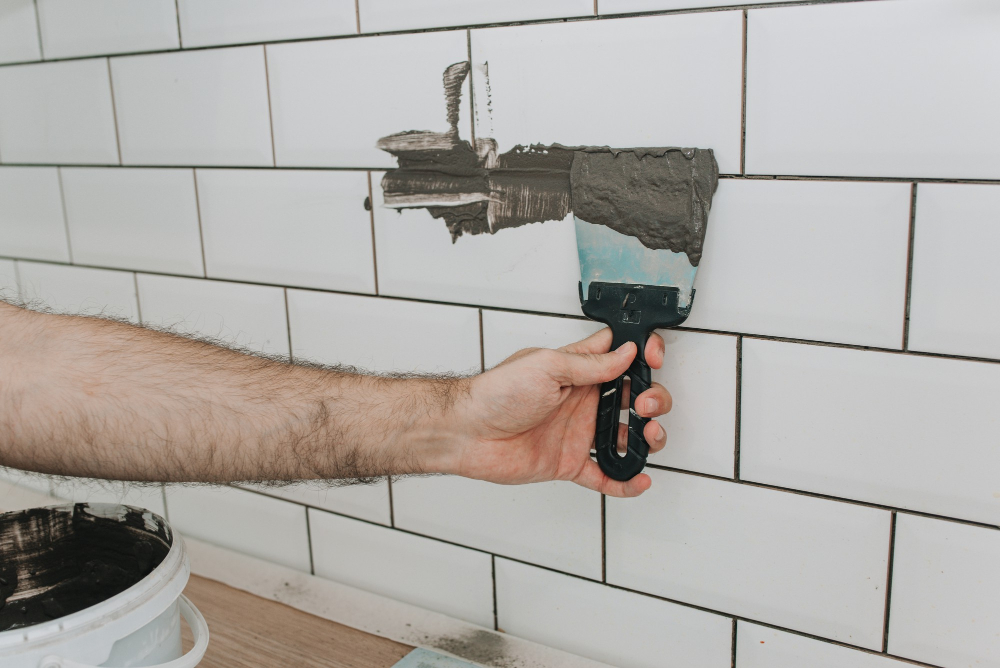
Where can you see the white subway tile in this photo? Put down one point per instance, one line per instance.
(18, 31)
(860, 89)
(383, 334)
(31, 214)
(163, 103)
(628, 82)
(8, 280)
(15, 497)
(445, 578)
(899, 430)
(762, 647)
(79, 290)
(248, 316)
(305, 228)
(699, 371)
(71, 29)
(133, 218)
(250, 523)
(388, 15)
(207, 22)
(507, 519)
(36, 482)
(953, 305)
(332, 100)
(609, 625)
(533, 267)
(366, 502)
(92, 490)
(627, 6)
(821, 260)
(945, 606)
(804, 563)
(57, 113)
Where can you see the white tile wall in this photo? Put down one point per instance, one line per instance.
(579, 83)
(88, 490)
(161, 102)
(387, 15)
(762, 647)
(626, 6)
(22, 480)
(383, 335)
(945, 593)
(554, 524)
(207, 22)
(821, 260)
(31, 214)
(795, 561)
(366, 502)
(249, 316)
(79, 290)
(862, 89)
(331, 101)
(617, 627)
(57, 113)
(449, 579)
(244, 521)
(848, 423)
(306, 228)
(71, 29)
(8, 280)
(533, 267)
(18, 31)
(133, 218)
(953, 305)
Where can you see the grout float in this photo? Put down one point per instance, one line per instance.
(660, 196)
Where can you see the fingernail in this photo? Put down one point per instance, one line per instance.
(651, 405)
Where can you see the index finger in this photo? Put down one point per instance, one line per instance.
(598, 342)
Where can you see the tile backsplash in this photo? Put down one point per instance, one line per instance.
(828, 494)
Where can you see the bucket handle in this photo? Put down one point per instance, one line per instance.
(195, 620)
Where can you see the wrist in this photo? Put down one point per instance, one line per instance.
(437, 432)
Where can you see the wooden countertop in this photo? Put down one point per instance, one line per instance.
(247, 631)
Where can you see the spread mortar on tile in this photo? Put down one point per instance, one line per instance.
(660, 196)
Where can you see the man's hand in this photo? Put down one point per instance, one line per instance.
(532, 418)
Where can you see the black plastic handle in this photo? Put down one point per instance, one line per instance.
(632, 312)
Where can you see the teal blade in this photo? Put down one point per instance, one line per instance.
(613, 257)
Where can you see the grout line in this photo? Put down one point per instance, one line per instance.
(17, 281)
(564, 316)
(270, 114)
(38, 28)
(732, 662)
(201, 234)
(604, 540)
(163, 493)
(750, 177)
(177, 11)
(392, 505)
(493, 569)
(309, 543)
(482, 344)
(371, 215)
(596, 12)
(739, 407)
(62, 200)
(357, 15)
(511, 24)
(909, 267)
(288, 326)
(138, 302)
(472, 90)
(888, 583)
(743, 102)
(114, 112)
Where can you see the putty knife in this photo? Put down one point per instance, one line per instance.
(641, 216)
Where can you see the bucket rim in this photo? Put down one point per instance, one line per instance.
(142, 592)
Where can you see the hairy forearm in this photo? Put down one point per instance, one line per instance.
(91, 397)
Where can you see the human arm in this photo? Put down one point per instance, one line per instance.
(97, 398)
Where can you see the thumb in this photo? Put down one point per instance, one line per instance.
(594, 368)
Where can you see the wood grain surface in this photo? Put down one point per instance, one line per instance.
(247, 631)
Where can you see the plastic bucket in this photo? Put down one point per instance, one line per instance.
(139, 626)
